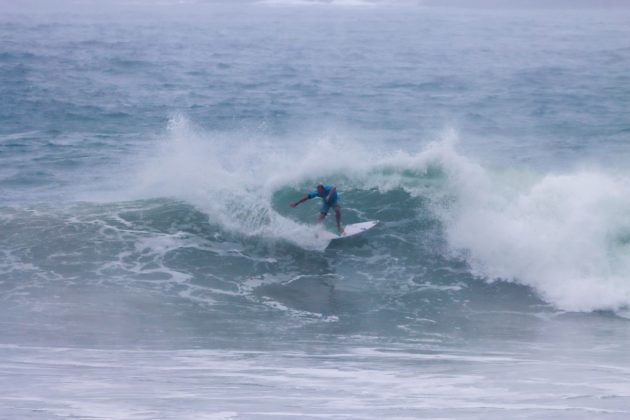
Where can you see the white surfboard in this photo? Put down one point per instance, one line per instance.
(349, 230)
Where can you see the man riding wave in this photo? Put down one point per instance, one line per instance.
(328, 195)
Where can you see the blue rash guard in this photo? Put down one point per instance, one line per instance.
(326, 204)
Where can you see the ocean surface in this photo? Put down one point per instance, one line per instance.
(151, 268)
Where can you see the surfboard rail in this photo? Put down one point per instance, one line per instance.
(349, 230)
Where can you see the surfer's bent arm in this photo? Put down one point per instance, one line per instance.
(330, 194)
(300, 201)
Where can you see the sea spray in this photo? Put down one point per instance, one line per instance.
(561, 234)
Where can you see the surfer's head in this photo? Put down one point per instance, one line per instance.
(320, 188)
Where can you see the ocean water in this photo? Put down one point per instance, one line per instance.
(150, 267)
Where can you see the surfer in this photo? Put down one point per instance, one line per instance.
(329, 196)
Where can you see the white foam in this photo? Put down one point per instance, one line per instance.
(234, 185)
(567, 235)
(563, 234)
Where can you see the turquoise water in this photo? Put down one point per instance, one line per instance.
(150, 266)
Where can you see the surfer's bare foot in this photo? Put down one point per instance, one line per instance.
(341, 230)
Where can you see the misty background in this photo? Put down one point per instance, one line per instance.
(38, 6)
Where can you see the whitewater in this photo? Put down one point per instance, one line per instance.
(150, 264)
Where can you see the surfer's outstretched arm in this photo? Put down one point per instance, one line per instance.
(300, 201)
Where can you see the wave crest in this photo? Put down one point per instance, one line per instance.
(565, 235)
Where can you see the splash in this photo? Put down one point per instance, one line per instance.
(233, 178)
(565, 235)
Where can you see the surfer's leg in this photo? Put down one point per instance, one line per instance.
(323, 212)
(338, 216)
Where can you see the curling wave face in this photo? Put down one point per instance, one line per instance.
(564, 235)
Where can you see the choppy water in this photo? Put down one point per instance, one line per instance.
(150, 266)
